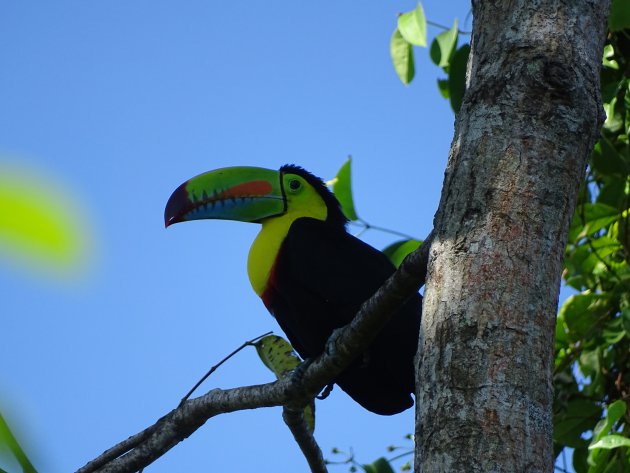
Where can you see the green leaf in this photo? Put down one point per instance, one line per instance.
(561, 332)
(342, 188)
(590, 363)
(611, 441)
(580, 263)
(278, 355)
(580, 464)
(379, 466)
(613, 331)
(611, 88)
(579, 416)
(605, 246)
(577, 315)
(39, 226)
(396, 252)
(614, 119)
(443, 46)
(443, 87)
(608, 59)
(594, 217)
(625, 320)
(614, 412)
(457, 77)
(619, 18)
(612, 192)
(607, 160)
(413, 26)
(402, 56)
(8, 441)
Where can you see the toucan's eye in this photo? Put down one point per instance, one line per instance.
(294, 184)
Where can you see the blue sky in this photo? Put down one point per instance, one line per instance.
(118, 103)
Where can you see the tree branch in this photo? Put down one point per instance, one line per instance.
(294, 418)
(343, 346)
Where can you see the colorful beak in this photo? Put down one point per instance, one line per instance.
(247, 194)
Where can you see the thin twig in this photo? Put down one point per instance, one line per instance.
(400, 455)
(368, 226)
(215, 367)
(446, 28)
(294, 418)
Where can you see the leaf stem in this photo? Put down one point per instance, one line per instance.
(399, 456)
(368, 226)
(446, 28)
(215, 367)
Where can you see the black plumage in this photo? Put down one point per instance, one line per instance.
(321, 277)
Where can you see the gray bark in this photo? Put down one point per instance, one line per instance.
(531, 114)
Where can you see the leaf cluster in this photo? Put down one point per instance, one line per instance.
(592, 364)
(411, 31)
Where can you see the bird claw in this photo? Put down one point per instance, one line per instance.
(297, 375)
(331, 344)
(326, 392)
(298, 372)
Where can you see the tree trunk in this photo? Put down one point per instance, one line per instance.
(531, 114)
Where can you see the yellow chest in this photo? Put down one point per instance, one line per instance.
(263, 253)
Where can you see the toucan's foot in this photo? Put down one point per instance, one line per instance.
(298, 372)
(331, 344)
(326, 392)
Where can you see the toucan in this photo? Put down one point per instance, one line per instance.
(310, 273)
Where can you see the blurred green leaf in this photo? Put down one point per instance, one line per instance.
(8, 441)
(39, 225)
(612, 192)
(611, 441)
(619, 17)
(611, 86)
(561, 332)
(577, 316)
(457, 77)
(594, 217)
(413, 26)
(342, 188)
(443, 46)
(379, 466)
(580, 263)
(402, 56)
(443, 87)
(614, 412)
(396, 252)
(609, 54)
(613, 331)
(607, 160)
(590, 363)
(614, 119)
(278, 355)
(580, 416)
(605, 246)
(580, 456)
(625, 320)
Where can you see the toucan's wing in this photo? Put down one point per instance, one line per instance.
(321, 277)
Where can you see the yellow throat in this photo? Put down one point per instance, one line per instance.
(264, 250)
